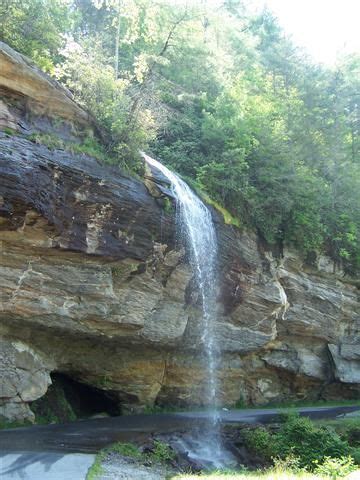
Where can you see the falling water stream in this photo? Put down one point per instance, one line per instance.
(195, 226)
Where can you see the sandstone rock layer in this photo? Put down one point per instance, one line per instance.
(94, 285)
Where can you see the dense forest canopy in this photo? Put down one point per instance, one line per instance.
(221, 96)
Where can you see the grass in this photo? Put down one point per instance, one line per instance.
(161, 454)
(5, 424)
(299, 403)
(168, 206)
(125, 449)
(9, 131)
(96, 468)
(228, 218)
(266, 475)
(90, 145)
(240, 405)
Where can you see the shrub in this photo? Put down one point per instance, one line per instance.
(298, 438)
(261, 441)
(162, 452)
(91, 79)
(301, 437)
(355, 453)
(290, 463)
(335, 467)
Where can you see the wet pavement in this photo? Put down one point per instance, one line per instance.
(89, 436)
(45, 466)
(66, 452)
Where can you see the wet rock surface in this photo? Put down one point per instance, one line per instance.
(93, 283)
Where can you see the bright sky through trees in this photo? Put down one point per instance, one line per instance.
(324, 27)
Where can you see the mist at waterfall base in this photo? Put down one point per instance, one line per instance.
(196, 229)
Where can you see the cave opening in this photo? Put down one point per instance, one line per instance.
(68, 399)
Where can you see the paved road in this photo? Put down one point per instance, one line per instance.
(89, 436)
(65, 452)
(45, 466)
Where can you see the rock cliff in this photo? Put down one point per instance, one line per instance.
(94, 285)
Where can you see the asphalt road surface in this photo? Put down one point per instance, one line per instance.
(65, 452)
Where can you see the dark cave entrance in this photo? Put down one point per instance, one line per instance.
(67, 400)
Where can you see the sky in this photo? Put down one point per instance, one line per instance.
(324, 27)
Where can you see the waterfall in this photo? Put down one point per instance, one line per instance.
(195, 226)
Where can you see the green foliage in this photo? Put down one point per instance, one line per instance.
(260, 440)
(335, 467)
(53, 407)
(228, 218)
(229, 102)
(5, 424)
(94, 85)
(162, 452)
(9, 131)
(51, 141)
(90, 146)
(125, 449)
(256, 475)
(301, 438)
(355, 453)
(347, 428)
(96, 469)
(290, 463)
(35, 28)
(168, 206)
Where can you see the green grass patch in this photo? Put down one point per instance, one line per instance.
(5, 424)
(266, 475)
(160, 453)
(228, 218)
(9, 131)
(125, 449)
(90, 146)
(240, 405)
(51, 141)
(168, 206)
(93, 148)
(96, 469)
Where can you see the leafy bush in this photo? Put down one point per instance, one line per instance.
(335, 467)
(290, 463)
(261, 441)
(93, 82)
(301, 438)
(355, 453)
(162, 452)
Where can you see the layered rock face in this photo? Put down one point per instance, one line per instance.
(93, 283)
